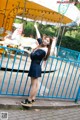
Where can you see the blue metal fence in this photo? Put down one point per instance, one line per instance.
(69, 54)
(60, 77)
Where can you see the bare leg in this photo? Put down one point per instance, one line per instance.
(34, 88)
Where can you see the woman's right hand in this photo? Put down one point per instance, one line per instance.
(35, 25)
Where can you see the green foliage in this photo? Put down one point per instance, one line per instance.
(71, 43)
(47, 29)
(44, 29)
(74, 34)
(70, 40)
(29, 29)
(78, 6)
(17, 20)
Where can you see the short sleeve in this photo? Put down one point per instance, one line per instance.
(39, 40)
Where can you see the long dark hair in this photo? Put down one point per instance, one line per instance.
(49, 48)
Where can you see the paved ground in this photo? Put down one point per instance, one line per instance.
(36, 114)
(42, 109)
(15, 103)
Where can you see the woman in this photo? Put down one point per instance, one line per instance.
(37, 56)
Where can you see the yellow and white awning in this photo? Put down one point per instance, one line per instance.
(44, 10)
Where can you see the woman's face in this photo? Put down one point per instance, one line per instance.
(44, 37)
(46, 41)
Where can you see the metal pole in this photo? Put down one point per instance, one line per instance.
(78, 93)
(60, 41)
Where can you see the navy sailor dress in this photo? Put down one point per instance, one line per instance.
(35, 67)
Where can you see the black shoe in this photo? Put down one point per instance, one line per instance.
(26, 103)
(33, 101)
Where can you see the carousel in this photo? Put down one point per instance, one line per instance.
(49, 11)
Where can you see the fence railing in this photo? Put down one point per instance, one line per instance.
(60, 77)
(69, 54)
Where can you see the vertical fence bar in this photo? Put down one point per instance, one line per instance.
(61, 79)
(23, 75)
(53, 76)
(11, 72)
(65, 79)
(73, 81)
(16, 75)
(1, 60)
(5, 72)
(69, 81)
(78, 93)
(48, 77)
(26, 77)
(57, 79)
(77, 82)
(78, 57)
(43, 78)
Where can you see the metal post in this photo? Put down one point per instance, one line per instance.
(78, 57)
(78, 93)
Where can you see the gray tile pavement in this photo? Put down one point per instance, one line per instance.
(43, 109)
(41, 114)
